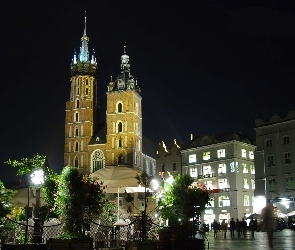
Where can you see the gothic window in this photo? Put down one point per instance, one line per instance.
(86, 81)
(76, 117)
(120, 127)
(76, 146)
(77, 104)
(76, 162)
(97, 160)
(120, 107)
(78, 87)
(76, 131)
(86, 91)
(120, 143)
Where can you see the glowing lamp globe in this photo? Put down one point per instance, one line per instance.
(37, 177)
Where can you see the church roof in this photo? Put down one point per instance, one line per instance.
(100, 136)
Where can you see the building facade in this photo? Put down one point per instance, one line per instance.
(91, 145)
(274, 161)
(225, 164)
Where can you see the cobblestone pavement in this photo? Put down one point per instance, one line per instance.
(283, 240)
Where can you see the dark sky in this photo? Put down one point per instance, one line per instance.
(203, 68)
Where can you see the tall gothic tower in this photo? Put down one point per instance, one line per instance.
(90, 145)
(81, 108)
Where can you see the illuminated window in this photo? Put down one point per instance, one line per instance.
(246, 200)
(268, 143)
(207, 170)
(220, 153)
(286, 139)
(237, 166)
(120, 127)
(120, 107)
(253, 184)
(245, 169)
(174, 166)
(246, 183)
(272, 185)
(193, 172)
(206, 156)
(222, 183)
(232, 167)
(251, 155)
(287, 158)
(289, 182)
(221, 168)
(208, 184)
(244, 153)
(252, 169)
(223, 201)
(192, 158)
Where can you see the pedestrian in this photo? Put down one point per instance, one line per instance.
(252, 227)
(238, 227)
(243, 227)
(224, 228)
(232, 227)
(268, 221)
(215, 228)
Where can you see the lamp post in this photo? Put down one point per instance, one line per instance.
(37, 179)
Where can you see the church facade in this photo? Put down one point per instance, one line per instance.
(90, 145)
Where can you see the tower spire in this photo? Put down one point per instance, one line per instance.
(84, 53)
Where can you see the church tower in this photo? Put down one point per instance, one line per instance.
(81, 107)
(124, 119)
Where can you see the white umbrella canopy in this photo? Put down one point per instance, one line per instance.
(20, 198)
(116, 178)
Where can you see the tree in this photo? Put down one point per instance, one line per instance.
(5, 198)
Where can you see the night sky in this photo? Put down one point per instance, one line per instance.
(204, 68)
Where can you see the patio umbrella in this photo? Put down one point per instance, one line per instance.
(20, 198)
(253, 216)
(117, 179)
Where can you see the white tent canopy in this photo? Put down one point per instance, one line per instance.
(20, 197)
(118, 179)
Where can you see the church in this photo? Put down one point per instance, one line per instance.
(91, 145)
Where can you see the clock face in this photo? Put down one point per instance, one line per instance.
(121, 83)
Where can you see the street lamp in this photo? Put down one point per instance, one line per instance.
(37, 179)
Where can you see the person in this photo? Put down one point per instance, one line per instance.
(232, 227)
(224, 228)
(215, 228)
(268, 222)
(252, 227)
(243, 227)
(238, 227)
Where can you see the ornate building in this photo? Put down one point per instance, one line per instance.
(90, 145)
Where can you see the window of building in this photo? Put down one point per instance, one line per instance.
(211, 203)
(174, 166)
(78, 87)
(246, 200)
(287, 158)
(76, 116)
(136, 108)
(237, 167)
(251, 155)
(289, 182)
(120, 127)
(272, 185)
(207, 171)
(270, 160)
(193, 172)
(286, 139)
(253, 184)
(245, 168)
(220, 153)
(223, 201)
(97, 160)
(76, 131)
(206, 156)
(76, 146)
(120, 159)
(244, 153)
(208, 184)
(222, 183)
(232, 167)
(268, 143)
(221, 168)
(120, 143)
(252, 169)
(162, 167)
(77, 104)
(120, 107)
(76, 162)
(246, 183)
(192, 158)
(86, 91)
